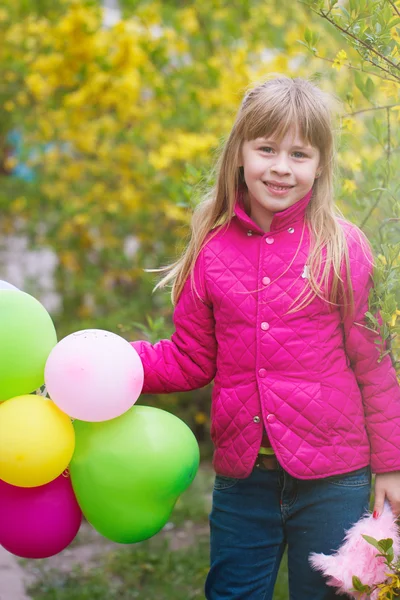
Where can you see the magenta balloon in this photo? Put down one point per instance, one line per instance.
(38, 522)
(94, 375)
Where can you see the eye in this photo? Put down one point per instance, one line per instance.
(301, 154)
(266, 149)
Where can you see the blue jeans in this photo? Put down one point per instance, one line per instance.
(254, 519)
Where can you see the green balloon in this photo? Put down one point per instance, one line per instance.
(27, 336)
(128, 472)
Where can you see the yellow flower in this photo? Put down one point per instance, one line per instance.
(176, 213)
(394, 34)
(188, 16)
(37, 85)
(349, 186)
(394, 318)
(340, 59)
(348, 123)
(351, 161)
(390, 89)
(280, 63)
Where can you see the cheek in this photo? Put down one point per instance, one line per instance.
(306, 175)
(254, 167)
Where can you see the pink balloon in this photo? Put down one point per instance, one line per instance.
(41, 521)
(94, 375)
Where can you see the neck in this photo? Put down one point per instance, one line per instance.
(270, 222)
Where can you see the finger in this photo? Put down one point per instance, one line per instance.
(379, 501)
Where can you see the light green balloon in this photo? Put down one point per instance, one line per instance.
(27, 336)
(128, 472)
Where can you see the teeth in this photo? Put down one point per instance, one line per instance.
(276, 187)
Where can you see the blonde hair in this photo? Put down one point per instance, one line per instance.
(269, 109)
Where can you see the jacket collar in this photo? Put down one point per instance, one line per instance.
(282, 219)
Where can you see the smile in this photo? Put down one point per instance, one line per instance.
(278, 187)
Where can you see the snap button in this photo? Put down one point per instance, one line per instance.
(264, 326)
(269, 240)
(266, 280)
(262, 372)
(291, 230)
(249, 232)
(256, 419)
(271, 418)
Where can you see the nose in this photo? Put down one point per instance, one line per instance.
(281, 165)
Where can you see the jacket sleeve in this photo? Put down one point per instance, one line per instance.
(377, 380)
(188, 360)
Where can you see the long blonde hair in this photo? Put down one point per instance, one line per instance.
(271, 108)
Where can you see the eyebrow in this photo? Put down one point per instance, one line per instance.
(266, 141)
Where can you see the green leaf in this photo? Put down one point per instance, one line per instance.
(359, 81)
(308, 36)
(385, 544)
(373, 319)
(345, 12)
(359, 586)
(369, 88)
(372, 541)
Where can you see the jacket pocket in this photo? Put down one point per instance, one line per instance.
(232, 415)
(296, 406)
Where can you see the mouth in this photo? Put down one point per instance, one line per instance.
(278, 188)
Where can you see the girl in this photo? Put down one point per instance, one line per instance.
(270, 298)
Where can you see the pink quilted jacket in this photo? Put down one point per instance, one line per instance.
(312, 380)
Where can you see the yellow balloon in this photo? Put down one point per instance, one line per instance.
(37, 441)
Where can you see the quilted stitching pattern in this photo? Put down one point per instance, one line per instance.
(311, 378)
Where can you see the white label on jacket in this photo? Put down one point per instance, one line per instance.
(306, 272)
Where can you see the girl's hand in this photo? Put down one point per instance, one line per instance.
(387, 485)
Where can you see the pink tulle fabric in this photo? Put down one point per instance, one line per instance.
(357, 557)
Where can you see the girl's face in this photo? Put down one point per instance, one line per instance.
(277, 175)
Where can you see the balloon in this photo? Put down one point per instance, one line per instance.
(94, 375)
(41, 521)
(127, 473)
(27, 335)
(4, 285)
(36, 441)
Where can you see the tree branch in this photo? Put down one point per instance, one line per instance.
(357, 112)
(369, 47)
(392, 4)
(330, 60)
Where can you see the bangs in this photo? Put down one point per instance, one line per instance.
(277, 115)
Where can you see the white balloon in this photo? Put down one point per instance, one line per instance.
(4, 285)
